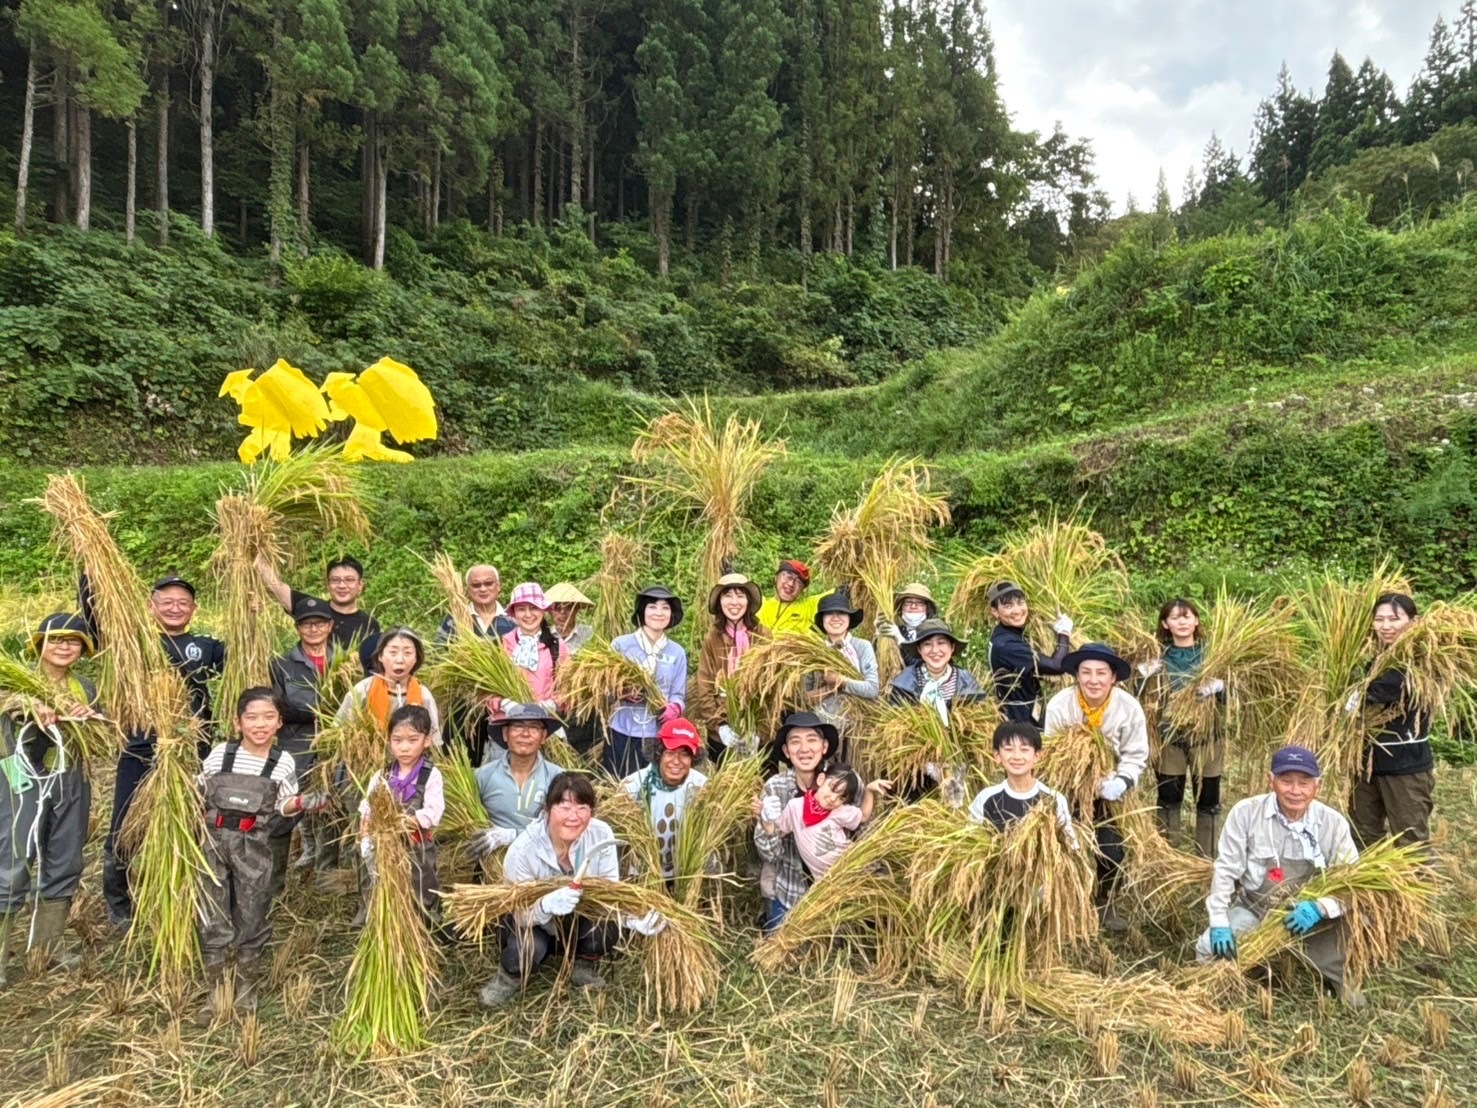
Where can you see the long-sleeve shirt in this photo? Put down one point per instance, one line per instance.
(833, 709)
(360, 693)
(495, 628)
(433, 802)
(1124, 727)
(507, 804)
(707, 706)
(821, 844)
(1000, 806)
(670, 675)
(794, 618)
(1016, 669)
(1256, 841)
(783, 876)
(284, 773)
(1402, 744)
(532, 857)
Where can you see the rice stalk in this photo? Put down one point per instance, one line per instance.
(164, 832)
(472, 668)
(1438, 656)
(709, 474)
(1168, 885)
(900, 741)
(394, 966)
(1142, 1003)
(714, 821)
(641, 850)
(1074, 762)
(128, 634)
(1063, 566)
(558, 751)
(464, 814)
(252, 619)
(454, 588)
(23, 686)
(356, 742)
(680, 965)
(623, 558)
(772, 672)
(591, 682)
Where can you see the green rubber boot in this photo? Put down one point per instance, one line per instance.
(48, 929)
(7, 922)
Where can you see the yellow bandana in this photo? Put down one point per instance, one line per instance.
(1093, 717)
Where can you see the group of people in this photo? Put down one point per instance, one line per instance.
(545, 815)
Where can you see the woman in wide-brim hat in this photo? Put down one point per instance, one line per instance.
(566, 604)
(831, 693)
(936, 679)
(734, 604)
(633, 724)
(911, 605)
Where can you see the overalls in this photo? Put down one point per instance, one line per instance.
(238, 816)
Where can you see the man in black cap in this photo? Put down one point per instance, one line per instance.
(197, 658)
(1016, 667)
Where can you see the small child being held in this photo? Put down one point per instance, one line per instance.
(823, 819)
(418, 788)
(1017, 747)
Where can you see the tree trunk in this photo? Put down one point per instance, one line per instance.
(690, 235)
(556, 183)
(243, 222)
(909, 229)
(436, 189)
(590, 181)
(576, 106)
(304, 208)
(61, 147)
(537, 206)
(130, 193)
(207, 128)
(161, 154)
(620, 194)
(836, 235)
(495, 195)
(725, 253)
(369, 169)
(892, 232)
(28, 131)
(661, 226)
(83, 161)
(382, 181)
(850, 223)
(280, 120)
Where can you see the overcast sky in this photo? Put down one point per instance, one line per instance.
(1148, 80)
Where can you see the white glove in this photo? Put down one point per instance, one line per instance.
(560, 902)
(886, 627)
(366, 848)
(727, 734)
(771, 810)
(933, 772)
(484, 842)
(1210, 688)
(313, 802)
(651, 924)
(747, 745)
(550, 706)
(1151, 667)
(952, 792)
(508, 707)
(1063, 624)
(1355, 699)
(1112, 788)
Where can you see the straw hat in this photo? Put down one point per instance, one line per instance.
(566, 593)
(734, 581)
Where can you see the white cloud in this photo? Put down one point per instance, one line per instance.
(1149, 80)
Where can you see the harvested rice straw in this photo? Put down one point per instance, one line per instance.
(22, 686)
(622, 559)
(453, 586)
(901, 740)
(1168, 885)
(595, 678)
(714, 822)
(883, 542)
(772, 673)
(128, 634)
(1145, 1002)
(558, 751)
(709, 474)
(1333, 622)
(356, 742)
(680, 965)
(1438, 655)
(164, 832)
(394, 967)
(641, 852)
(249, 625)
(1387, 895)
(472, 668)
(464, 813)
(1063, 566)
(1074, 762)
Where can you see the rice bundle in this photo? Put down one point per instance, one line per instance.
(772, 673)
(709, 473)
(1143, 1002)
(622, 559)
(883, 542)
(901, 740)
(1387, 894)
(641, 850)
(680, 965)
(1074, 762)
(558, 751)
(1438, 655)
(464, 814)
(1168, 885)
(285, 505)
(1337, 645)
(591, 682)
(394, 966)
(713, 822)
(454, 587)
(164, 832)
(23, 685)
(356, 742)
(129, 636)
(472, 668)
(1063, 566)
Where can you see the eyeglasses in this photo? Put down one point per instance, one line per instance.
(573, 806)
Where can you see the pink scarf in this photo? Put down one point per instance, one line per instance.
(740, 636)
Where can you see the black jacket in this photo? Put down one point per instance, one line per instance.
(1016, 669)
(296, 682)
(1402, 744)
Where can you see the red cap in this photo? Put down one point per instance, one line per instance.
(799, 569)
(678, 733)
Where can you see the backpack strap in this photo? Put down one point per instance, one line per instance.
(270, 765)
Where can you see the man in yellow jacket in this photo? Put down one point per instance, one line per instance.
(789, 610)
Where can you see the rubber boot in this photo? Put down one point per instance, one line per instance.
(500, 990)
(47, 930)
(1169, 823)
(215, 977)
(1207, 833)
(586, 975)
(115, 891)
(1108, 917)
(248, 980)
(7, 923)
(281, 847)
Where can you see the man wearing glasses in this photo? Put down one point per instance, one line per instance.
(353, 627)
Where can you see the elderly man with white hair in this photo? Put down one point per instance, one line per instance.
(490, 620)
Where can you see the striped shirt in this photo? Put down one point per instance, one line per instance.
(249, 765)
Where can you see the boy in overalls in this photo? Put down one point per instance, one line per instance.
(246, 782)
(1272, 845)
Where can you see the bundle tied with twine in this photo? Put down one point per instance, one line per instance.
(623, 558)
(770, 678)
(394, 967)
(1387, 894)
(1064, 566)
(708, 473)
(285, 505)
(680, 965)
(597, 677)
(164, 834)
(883, 542)
(23, 686)
(900, 741)
(1333, 623)
(1166, 885)
(128, 634)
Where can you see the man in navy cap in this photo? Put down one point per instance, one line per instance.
(1271, 846)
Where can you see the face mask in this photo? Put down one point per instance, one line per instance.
(913, 619)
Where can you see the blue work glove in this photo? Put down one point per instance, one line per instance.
(1223, 943)
(1304, 916)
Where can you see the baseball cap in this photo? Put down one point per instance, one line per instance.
(1001, 589)
(678, 733)
(173, 582)
(1295, 759)
(310, 607)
